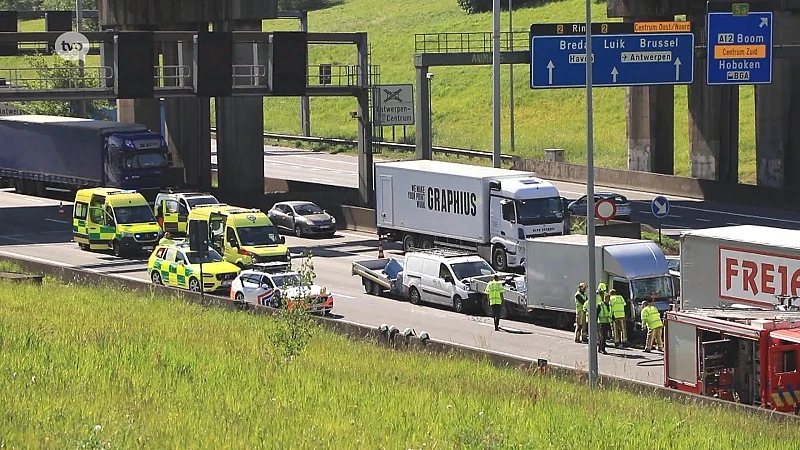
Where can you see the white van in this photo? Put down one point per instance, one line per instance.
(437, 276)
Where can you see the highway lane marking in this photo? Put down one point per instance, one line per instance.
(342, 295)
(71, 266)
(57, 221)
(703, 220)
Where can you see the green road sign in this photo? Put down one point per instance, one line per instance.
(740, 9)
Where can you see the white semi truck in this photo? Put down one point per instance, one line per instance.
(637, 269)
(745, 265)
(492, 211)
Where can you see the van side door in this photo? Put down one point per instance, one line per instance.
(446, 283)
(432, 289)
(231, 252)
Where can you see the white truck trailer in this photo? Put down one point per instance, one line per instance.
(745, 265)
(492, 211)
(637, 269)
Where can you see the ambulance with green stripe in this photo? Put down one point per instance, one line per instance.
(115, 219)
(176, 265)
(243, 236)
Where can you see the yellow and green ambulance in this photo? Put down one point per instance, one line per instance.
(176, 265)
(115, 219)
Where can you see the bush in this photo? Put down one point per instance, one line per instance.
(475, 6)
(303, 5)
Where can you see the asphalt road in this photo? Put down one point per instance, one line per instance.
(32, 228)
(685, 213)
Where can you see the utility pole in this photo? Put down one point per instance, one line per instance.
(511, 77)
(590, 232)
(496, 81)
(81, 62)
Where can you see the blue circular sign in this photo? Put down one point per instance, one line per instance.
(660, 207)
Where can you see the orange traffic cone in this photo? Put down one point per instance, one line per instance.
(61, 209)
(380, 249)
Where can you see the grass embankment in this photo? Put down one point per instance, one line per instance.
(104, 368)
(668, 245)
(462, 96)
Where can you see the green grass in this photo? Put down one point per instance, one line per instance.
(668, 245)
(104, 368)
(462, 96)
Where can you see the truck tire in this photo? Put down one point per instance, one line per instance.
(409, 243)
(413, 296)
(499, 259)
(367, 286)
(426, 243)
(377, 289)
(458, 304)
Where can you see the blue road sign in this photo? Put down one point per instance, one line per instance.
(660, 207)
(619, 60)
(739, 48)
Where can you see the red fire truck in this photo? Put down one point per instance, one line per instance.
(741, 355)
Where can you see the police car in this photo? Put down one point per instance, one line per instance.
(265, 287)
(176, 265)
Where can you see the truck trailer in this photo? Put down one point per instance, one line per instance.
(744, 265)
(492, 211)
(637, 269)
(744, 356)
(70, 153)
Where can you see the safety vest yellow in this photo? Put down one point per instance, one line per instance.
(604, 313)
(617, 307)
(651, 317)
(165, 241)
(580, 300)
(495, 289)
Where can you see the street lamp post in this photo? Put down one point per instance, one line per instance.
(511, 77)
(496, 82)
(429, 76)
(590, 231)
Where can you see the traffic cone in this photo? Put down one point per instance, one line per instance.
(380, 249)
(61, 209)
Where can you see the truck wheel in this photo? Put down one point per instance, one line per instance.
(413, 295)
(367, 286)
(499, 259)
(426, 243)
(408, 243)
(377, 289)
(84, 247)
(458, 305)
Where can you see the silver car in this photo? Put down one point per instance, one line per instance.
(279, 289)
(302, 219)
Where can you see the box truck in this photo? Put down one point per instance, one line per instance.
(72, 153)
(492, 211)
(636, 268)
(746, 265)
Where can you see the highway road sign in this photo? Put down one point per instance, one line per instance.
(639, 57)
(395, 104)
(605, 209)
(9, 110)
(739, 45)
(660, 207)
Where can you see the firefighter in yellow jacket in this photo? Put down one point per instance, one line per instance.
(619, 324)
(651, 318)
(581, 303)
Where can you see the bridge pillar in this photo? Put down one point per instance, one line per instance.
(650, 118)
(713, 119)
(240, 125)
(424, 140)
(777, 110)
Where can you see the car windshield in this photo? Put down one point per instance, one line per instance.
(202, 201)
(644, 287)
(292, 279)
(308, 209)
(258, 235)
(145, 160)
(211, 256)
(539, 211)
(134, 214)
(471, 269)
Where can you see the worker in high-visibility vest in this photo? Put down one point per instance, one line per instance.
(651, 318)
(494, 290)
(581, 302)
(166, 240)
(603, 322)
(619, 324)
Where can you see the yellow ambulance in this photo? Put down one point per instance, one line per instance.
(243, 236)
(115, 219)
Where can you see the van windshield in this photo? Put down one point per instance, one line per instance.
(134, 214)
(644, 287)
(260, 235)
(537, 211)
(471, 269)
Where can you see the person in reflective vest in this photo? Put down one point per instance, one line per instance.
(166, 240)
(620, 328)
(494, 290)
(651, 318)
(603, 322)
(581, 302)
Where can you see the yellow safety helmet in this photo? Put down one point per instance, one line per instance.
(601, 287)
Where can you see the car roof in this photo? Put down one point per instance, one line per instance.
(296, 203)
(267, 272)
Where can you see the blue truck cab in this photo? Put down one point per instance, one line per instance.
(40, 152)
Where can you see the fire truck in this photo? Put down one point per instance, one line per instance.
(741, 355)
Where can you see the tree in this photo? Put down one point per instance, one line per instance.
(59, 73)
(295, 327)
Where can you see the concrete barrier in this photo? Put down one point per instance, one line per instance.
(664, 184)
(397, 341)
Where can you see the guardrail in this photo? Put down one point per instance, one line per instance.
(385, 144)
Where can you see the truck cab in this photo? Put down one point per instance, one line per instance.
(137, 160)
(243, 236)
(521, 208)
(116, 219)
(172, 209)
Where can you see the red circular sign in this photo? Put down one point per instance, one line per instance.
(605, 209)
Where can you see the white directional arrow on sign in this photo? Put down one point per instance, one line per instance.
(662, 207)
(764, 22)
(677, 69)
(614, 74)
(550, 66)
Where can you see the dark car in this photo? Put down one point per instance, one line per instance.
(578, 207)
(302, 219)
